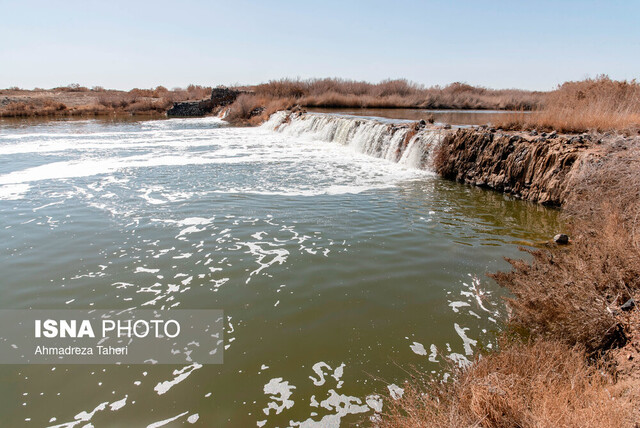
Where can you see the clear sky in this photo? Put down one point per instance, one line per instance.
(500, 44)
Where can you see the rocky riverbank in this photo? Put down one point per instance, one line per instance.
(537, 167)
(220, 97)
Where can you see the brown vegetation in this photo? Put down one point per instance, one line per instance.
(396, 94)
(341, 93)
(535, 384)
(573, 295)
(76, 100)
(599, 104)
(252, 109)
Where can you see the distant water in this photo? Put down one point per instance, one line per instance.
(336, 269)
(452, 117)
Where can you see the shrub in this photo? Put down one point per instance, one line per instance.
(599, 104)
(535, 384)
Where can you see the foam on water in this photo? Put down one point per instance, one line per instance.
(108, 157)
(378, 138)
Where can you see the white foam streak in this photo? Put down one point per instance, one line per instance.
(371, 137)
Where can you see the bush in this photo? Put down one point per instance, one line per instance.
(535, 384)
(599, 104)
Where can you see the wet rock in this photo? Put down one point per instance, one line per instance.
(533, 132)
(256, 111)
(575, 140)
(223, 96)
(423, 122)
(447, 126)
(537, 169)
(220, 97)
(554, 134)
(188, 109)
(561, 239)
(628, 305)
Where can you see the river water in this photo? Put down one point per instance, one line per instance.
(337, 269)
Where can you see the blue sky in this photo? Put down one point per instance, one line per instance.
(499, 44)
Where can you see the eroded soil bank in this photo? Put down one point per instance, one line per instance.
(540, 168)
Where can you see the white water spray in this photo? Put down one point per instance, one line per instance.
(400, 143)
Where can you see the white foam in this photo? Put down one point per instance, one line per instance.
(166, 421)
(418, 348)
(180, 375)
(141, 269)
(456, 305)
(467, 343)
(280, 393)
(395, 391)
(12, 192)
(117, 405)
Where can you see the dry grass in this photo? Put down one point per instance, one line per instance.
(572, 295)
(46, 107)
(341, 93)
(537, 384)
(599, 104)
(394, 94)
(252, 109)
(76, 100)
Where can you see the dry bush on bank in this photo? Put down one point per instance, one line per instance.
(539, 384)
(599, 104)
(252, 109)
(242, 107)
(73, 87)
(394, 94)
(80, 101)
(31, 109)
(149, 106)
(115, 101)
(197, 92)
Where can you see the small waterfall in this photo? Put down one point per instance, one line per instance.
(409, 144)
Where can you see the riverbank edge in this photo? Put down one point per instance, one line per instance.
(589, 285)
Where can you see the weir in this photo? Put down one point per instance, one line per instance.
(410, 143)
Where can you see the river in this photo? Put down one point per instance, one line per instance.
(339, 266)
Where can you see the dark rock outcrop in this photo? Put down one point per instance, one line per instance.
(190, 109)
(561, 239)
(219, 97)
(628, 305)
(527, 166)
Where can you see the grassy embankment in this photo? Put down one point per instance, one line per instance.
(267, 98)
(570, 355)
(75, 100)
(599, 104)
(340, 93)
